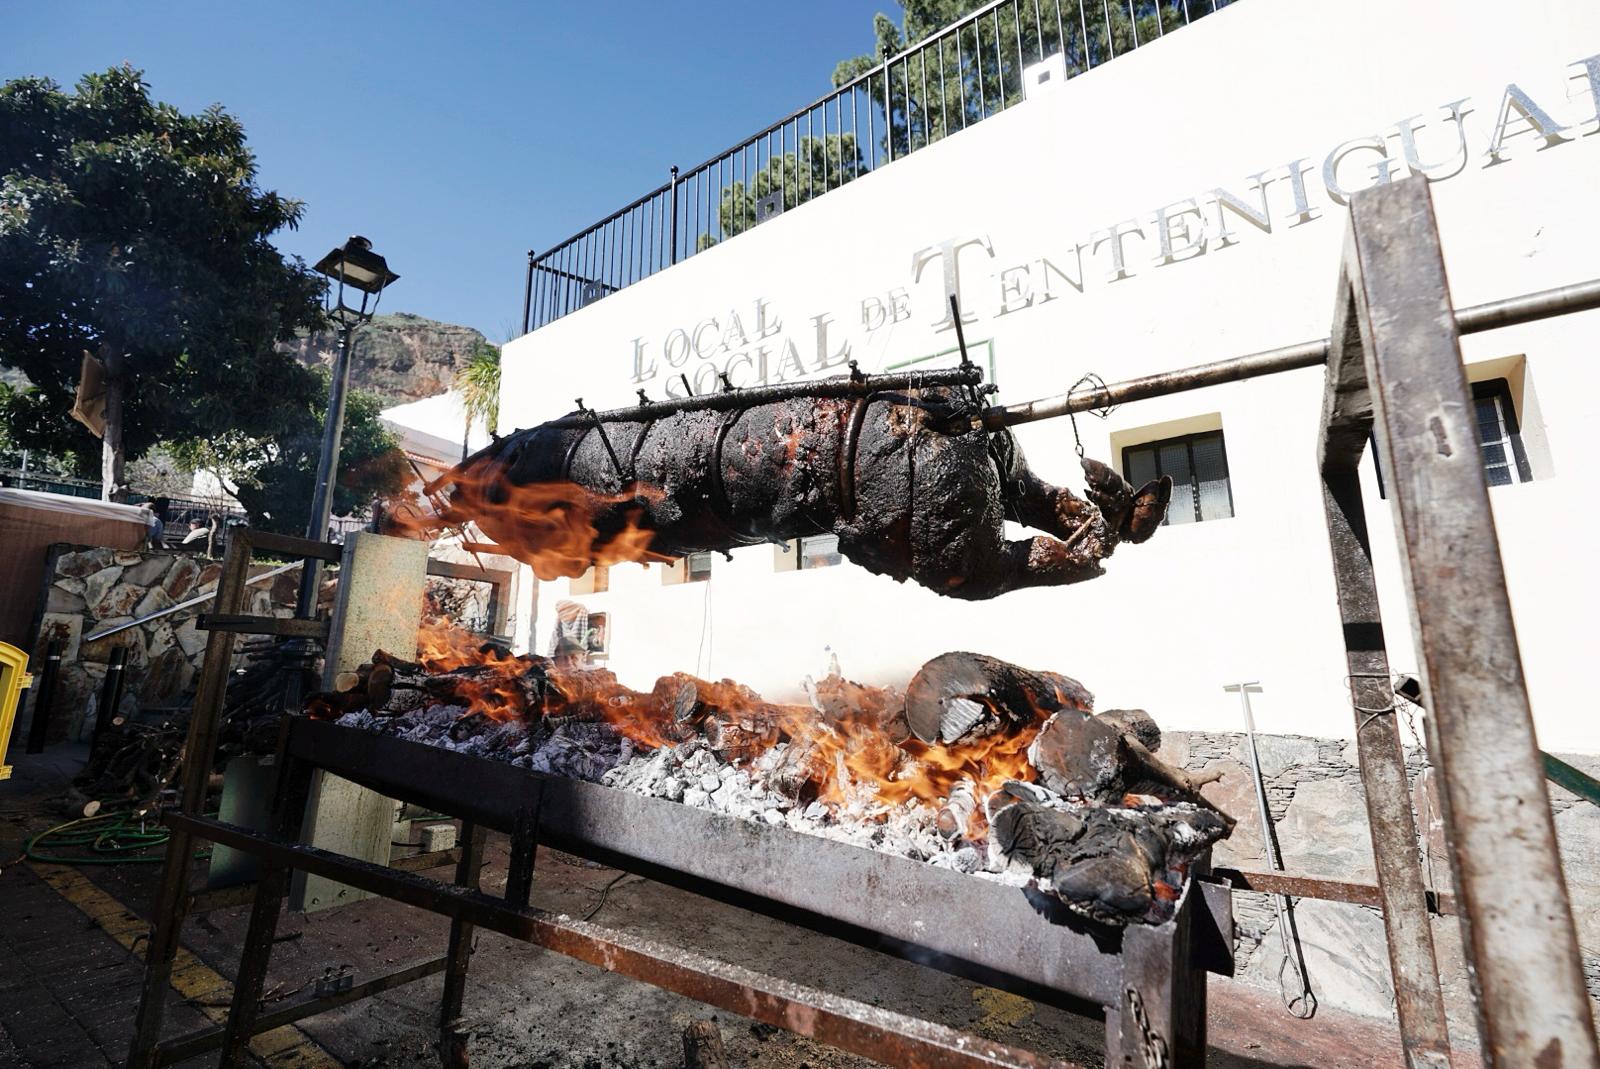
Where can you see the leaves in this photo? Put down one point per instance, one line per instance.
(124, 221)
(478, 382)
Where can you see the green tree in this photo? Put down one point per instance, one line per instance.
(137, 233)
(942, 88)
(976, 71)
(274, 478)
(478, 382)
(817, 165)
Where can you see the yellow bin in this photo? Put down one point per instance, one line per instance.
(13, 677)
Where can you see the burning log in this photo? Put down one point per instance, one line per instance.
(805, 765)
(957, 694)
(910, 486)
(1114, 865)
(1096, 758)
(841, 700)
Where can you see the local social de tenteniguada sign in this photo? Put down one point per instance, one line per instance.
(752, 347)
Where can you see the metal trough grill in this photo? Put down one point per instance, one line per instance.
(984, 929)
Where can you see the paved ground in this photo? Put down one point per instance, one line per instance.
(70, 973)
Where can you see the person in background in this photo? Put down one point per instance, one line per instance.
(567, 645)
(198, 531)
(156, 524)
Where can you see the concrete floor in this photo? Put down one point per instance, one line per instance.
(69, 980)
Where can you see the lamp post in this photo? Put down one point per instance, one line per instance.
(353, 266)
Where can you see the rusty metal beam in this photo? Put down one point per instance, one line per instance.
(1403, 349)
(281, 545)
(871, 1031)
(1346, 426)
(245, 624)
(1442, 903)
(200, 748)
(200, 1041)
(1542, 304)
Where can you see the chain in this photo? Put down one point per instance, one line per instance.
(1151, 1046)
(1099, 385)
(1372, 713)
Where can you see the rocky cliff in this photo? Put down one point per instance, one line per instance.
(399, 357)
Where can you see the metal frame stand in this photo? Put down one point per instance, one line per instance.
(1151, 987)
(1394, 372)
(174, 901)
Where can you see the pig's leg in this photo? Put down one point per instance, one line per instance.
(1046, 561)
(1114, 512)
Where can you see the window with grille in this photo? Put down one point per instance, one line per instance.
(1499, 436)
(821, 551)
(1198, 464)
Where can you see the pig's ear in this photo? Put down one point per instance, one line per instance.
(1149, 509)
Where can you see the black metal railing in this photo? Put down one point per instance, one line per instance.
(970, 70)
(180, 509)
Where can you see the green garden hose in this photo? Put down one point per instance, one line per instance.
(103, 839)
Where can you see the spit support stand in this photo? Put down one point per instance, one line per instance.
(1301, 1004)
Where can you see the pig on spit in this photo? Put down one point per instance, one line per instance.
(909, 482)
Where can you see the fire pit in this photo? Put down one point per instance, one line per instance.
(979, 766)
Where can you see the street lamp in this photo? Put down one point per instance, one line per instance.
(355, 267)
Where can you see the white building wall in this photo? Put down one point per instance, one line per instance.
(1242, 93)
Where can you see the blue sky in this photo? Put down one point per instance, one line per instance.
(458, 136)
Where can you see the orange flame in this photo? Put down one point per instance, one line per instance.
(859, 753)
(851, 752)
(493, 691)
(560, 529)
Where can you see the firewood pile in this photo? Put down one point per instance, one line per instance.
(976, 765)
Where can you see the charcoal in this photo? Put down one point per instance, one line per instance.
(957, 694)
(1114, 865)
(1090, 757)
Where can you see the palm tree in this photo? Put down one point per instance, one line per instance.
(478, 382)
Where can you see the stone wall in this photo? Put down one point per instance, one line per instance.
(91, 589)
(1318, 810)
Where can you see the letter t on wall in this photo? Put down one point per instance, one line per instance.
(949, 253)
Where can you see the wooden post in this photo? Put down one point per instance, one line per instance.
(111, 457)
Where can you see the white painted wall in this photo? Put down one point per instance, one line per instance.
(1244, 92)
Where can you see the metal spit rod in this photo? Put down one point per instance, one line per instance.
(198, 599)
(1542, 304)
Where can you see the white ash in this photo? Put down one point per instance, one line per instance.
(577, 749)
(693, 774)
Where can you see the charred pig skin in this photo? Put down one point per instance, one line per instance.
(908, 496)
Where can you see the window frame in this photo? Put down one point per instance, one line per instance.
(1188, 440)
(689, 575)
(800, 550)
(1499, 391)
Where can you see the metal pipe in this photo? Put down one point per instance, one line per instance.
(838, 386)
(180, 606)
(1513, 311)
(44, 697)
(672, 195)
(110, 696)
(527, 294)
